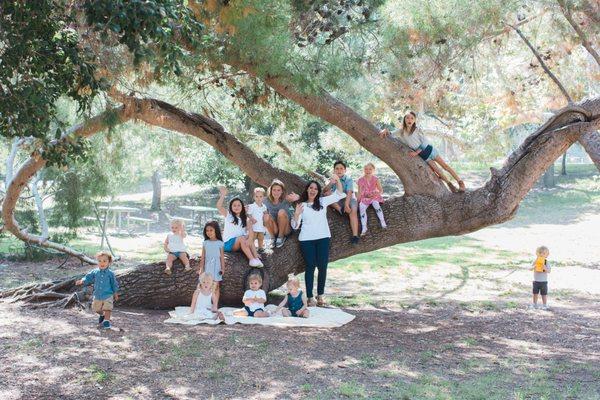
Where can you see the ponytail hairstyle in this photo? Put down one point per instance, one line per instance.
(242, 217)
(412, 128)
(316, 203)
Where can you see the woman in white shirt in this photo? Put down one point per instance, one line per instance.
(311, 218)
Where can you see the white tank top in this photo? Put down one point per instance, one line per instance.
(176, 243)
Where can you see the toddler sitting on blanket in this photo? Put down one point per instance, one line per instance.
(204, 300)
(295, 300)
(254, 299)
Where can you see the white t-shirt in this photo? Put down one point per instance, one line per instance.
(257, 212)
(314, 223)
(232, 230)
(250, 294)
(175, 243)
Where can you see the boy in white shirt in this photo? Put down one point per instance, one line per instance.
(257, 211)
(254, 299)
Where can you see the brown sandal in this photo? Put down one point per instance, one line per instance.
(311, 302)
(321, 301)
(461, 186)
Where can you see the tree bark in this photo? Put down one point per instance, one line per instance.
(591, 143)
(452, 214)
(156, 191)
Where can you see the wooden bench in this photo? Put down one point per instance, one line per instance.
(146, 221)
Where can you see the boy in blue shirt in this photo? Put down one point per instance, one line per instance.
(348, 205)
(105, 288)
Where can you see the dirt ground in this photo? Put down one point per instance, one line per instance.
(424, 352)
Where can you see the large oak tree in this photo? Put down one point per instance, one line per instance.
(301, 53)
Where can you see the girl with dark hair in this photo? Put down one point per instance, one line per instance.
(411, 136)
(311, 218)
(213, 257)
(237, 224)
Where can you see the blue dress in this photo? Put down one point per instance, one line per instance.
(212, 261)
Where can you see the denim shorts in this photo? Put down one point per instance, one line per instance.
(228, 245)
(177, 254)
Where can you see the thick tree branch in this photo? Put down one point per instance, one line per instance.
(159, 113)
(582, 36)
(416, 176)
(34, 164)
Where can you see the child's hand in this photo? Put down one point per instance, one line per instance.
(79, 282)
(334, 179)
(413, 154)
(116, 296)
(252, 220)
(292, 197)
(222, 191)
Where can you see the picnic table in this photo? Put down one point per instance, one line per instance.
(199, 211)
(117, 214)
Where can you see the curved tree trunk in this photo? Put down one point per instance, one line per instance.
(451, 214)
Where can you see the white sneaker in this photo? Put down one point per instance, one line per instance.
(545, 307)
(363, 232)
(384, 226)
(533, 306)
(255, 262)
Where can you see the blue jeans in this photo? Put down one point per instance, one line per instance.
(316, 255)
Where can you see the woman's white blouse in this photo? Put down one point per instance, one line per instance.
(314, 223)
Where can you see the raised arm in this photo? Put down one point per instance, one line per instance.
(297, 216)
(222, 194)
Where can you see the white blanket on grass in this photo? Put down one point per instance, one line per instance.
(319, 318)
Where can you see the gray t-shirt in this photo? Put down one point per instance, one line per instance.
(541, 276)
(273, 209)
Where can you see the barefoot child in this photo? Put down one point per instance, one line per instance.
(257, 211)
(213, 256)
(205, 300)
(411, 136)
(347, 205)
(175, 247)
(296, 302)
(369, 194)
(254, 299)
(541, 269)
(235, 235)
(105, 288)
